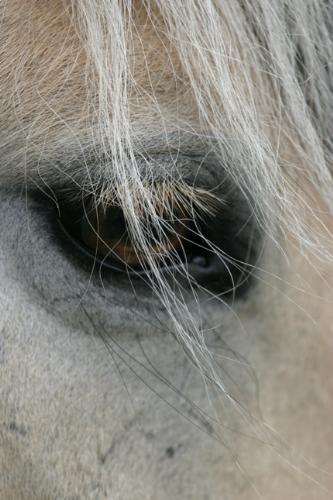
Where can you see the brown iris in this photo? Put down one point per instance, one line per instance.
(103, 231)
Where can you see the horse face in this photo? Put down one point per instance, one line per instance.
(122, 382)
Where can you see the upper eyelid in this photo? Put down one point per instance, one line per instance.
(192, 169)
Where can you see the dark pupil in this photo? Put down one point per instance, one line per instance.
(109, 224)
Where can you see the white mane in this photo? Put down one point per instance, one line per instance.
(260, 76)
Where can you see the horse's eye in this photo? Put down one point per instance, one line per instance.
(215, 249)
(102, 233)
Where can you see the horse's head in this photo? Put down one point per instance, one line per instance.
(166, 250)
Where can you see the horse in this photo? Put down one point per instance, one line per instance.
(166, 249)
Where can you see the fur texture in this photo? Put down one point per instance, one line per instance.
(157, 390)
